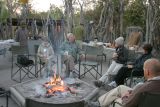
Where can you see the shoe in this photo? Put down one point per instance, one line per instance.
(98, 83)
(94, 104)
(113, 84)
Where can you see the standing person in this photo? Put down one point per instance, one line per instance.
(70, 49)
(136, 67)
(129, 97)
(22, 35)
(119, 59)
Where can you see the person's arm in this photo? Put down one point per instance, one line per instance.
(122, 55)
(51, 53)
(62, 49)
(134, 97)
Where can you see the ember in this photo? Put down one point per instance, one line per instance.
(56, 84)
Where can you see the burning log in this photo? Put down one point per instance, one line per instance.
(56, 85)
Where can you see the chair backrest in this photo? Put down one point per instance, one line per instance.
(149, 100)
(31, 46)
(36, 48)
(93, 50)
(33, 103)
(19, 50)
(131, 55)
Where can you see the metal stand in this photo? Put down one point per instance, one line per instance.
(6, 94)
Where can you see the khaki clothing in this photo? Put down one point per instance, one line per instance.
(152, 85)
(115, 94)
(112, 70)
(45, 52)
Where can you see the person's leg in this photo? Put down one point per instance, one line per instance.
(114, 71)
(105, 76)
(122, 75)
(69, 62)
(109, 97)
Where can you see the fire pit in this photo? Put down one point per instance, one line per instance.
(53, 91)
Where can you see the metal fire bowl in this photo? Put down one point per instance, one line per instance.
(23, 91)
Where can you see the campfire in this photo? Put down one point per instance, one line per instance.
(57, 85)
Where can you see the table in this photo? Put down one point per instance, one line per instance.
(6, 44)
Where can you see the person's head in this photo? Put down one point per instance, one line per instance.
(151, 68)
(45, 40)
(70, 37)
(147, 48)
(119, 42)
(23, 24)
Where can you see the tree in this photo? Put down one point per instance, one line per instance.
(69, 13)
(153, 23)
(3, 12)
(55, 12)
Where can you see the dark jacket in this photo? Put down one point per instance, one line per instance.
(122, 55)
(138, 64)
(152, 86)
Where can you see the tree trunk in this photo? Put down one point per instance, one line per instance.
(121, 16)
(69, 14)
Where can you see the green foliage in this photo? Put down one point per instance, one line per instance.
(56, 13)
(79, 32)
(94, 14)
(135, 14)
(3, 11)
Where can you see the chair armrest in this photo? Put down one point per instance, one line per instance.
(115, 102)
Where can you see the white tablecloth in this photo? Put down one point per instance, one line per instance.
(6, 44)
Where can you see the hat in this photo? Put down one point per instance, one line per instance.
(119, 41)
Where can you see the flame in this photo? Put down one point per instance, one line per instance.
(56, 84)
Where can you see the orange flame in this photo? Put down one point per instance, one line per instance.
(57, 84)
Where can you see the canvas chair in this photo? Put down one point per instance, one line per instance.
(4, 93)
(135, 79)
(149, 100)
(23, 70)
(92, 65)
(34, 103)
(3, 51)
(146, 99)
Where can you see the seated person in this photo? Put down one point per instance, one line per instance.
(130, 97)
(45, 51)
(119, 59)
(137, 67)
(70, 49)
